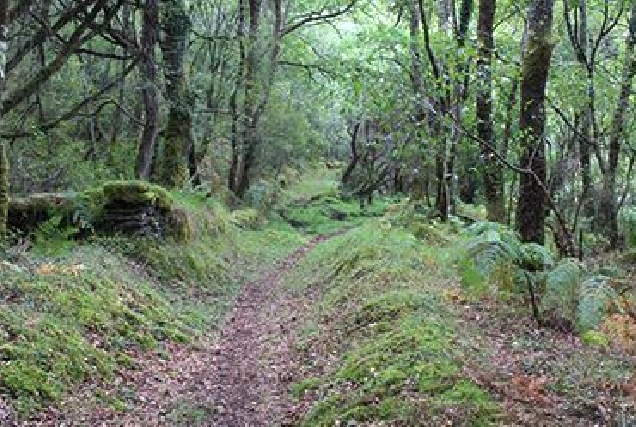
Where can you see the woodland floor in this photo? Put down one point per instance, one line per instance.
(245, 374)
(243, 377)
(239, 378)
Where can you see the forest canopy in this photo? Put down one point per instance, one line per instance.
(522, 106)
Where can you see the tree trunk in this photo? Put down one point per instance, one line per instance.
(441, 202)
(255, 105)
(4, 159)
(492, 171)
(584, 140)
(417, 191)
(4, 190)
(354, 159)
(178, 138)
(535, 68)
(240, 81)
(460, 93)
(149, 38)
(118, 117)
(249, 136)
(608, 210)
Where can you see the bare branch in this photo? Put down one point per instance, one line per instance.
(317, 16)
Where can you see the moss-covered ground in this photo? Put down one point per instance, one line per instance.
(396, 338)
(74, 315)
(387, 329)
(314, 206)
(379, 345)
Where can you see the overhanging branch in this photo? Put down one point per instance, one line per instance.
(317, 16)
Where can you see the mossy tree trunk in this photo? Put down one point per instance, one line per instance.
(234, 107)
(609, 206)
(4, 158)
(492, 170)
(148, 68)
(177, 135)
(256, 93)
(250, 137)
(535, 68)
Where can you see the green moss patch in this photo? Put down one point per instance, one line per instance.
(68, 323)
(382, 313)
(137, 192)
(325, 213)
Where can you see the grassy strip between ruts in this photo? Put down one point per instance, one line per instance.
(77, 315)
(379, 345)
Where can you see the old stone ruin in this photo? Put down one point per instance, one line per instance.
(128, 208)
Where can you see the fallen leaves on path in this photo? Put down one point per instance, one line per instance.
(241, 378)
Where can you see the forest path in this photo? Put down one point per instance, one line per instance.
(240, 377)
(254, 360)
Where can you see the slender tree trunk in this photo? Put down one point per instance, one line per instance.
(416, 63)
(117, 121)
(535, 68)
(255, 105)
(249, 138)
(415, 48)
(178, 139)
(149, 39)
(442, 107)
(608, 210)
(492, 171)
(445, 12)
(240, 82)
(4, 159)
(4, 189)
(355, 158)
(584, 140)
(460, 94)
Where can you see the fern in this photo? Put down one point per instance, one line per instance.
(535, 257)
(491, 251)
(561, 293)
(495, 256)
(597, 300)
(482, 227)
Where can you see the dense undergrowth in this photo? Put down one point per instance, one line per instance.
(596, 301)
(74, 314)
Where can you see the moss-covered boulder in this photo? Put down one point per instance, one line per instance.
(139, 208)
(246, 218)
(137, 193)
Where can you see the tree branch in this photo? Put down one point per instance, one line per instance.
(73, 112)
(317, 16)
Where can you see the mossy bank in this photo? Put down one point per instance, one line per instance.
(75, 314)
(380, 344)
